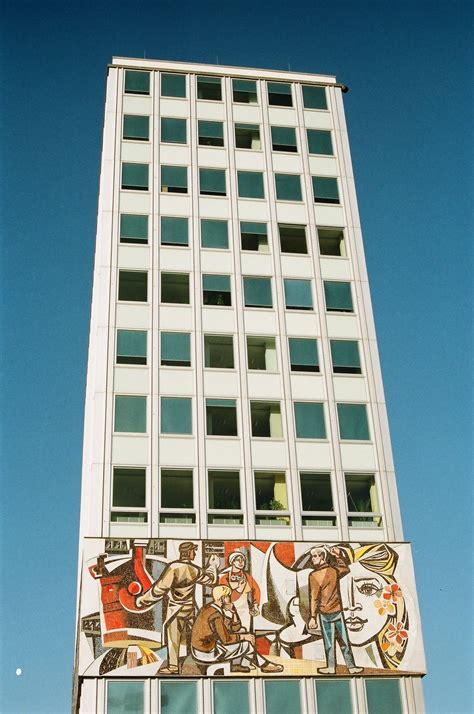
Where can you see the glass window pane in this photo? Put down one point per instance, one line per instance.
(219, 351)
(279, 87)
(309, 418)
(345, 356)
(219, 283)
(176, 415)
(314, 97)
(288, 187)
(244, 90)
(173, 85)
(231, 698)
(353, 423)
(224, 490)
(178, 698)
(174, 231)
(214, 234)
(177, 488)
(130, 414)
(258, 292)
(129, 490)
(338, 296)
(135, 176)
(131, 347)
(125, 697)
(279, 94)
(136, 127)
(173, 130)
(137, 82)
(174, 179)
(211, 133)
(175, 288)
(383, 696)
(304, 354)
(325, 189)
(319, 142)
(292, 238)
(316, 494)
(283, 138)
(133, 286)
(209, 88)
(212, 182)
(283, 696)
(247, 136)
(333, 696)
(133, 228)
(298, 294)
(254, 236)
(250, 184)
(176, 349)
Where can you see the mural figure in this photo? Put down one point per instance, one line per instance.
(325, 600)
(218, 636)
(178, 583)
(245, 592)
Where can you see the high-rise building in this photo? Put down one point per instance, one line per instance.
(241, 547)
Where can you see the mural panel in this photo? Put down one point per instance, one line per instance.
(209, 608)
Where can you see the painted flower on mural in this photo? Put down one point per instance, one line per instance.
(387, 603)
(394, 638)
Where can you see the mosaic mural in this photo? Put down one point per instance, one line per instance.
(210, 608)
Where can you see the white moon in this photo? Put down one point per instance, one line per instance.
(18, 671)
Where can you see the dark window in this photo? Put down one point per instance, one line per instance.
(136, 127)
(279, 94)
(247, 136)
(221, 417)
(292, 239)
(254, 236)
(216, 290)
(218, 351)
(137, 82)
(331, 241)
(209, 88)
(244, 91)
(210, 133)
(284, 139)
(135, 176)
(173, 85)
(175, 288)
(174, 179)
(212, 182)
(133, 286)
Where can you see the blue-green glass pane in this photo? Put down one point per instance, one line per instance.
(173, 130)
(130, 414)
(258, 292)
(174, 231)
(136, 127)
(309, 417)
(298, 294)
(345, 353)
(283, 135)
(221, 403)
(338, 296)
(314, 98)
(282, 697)
(135, 176)
(250, 184)
(174, 176)
(252, 227)
(325, 189)
(319, 142)
(211, 129)
(176, 346)
(353, 422)
(125, 697)
(137, 82)
(383, 696)
(178, 697)
(303, 352)
(219, 283)
(131, 343)
(133, 228)
(279, 88)
(214, 234)
(176, 415)
(333, 696)
(173, 85)
(244, 85)
(288, 187)
(231, 698)
(212, 181)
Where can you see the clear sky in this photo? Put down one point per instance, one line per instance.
(409, 112)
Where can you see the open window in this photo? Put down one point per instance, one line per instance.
(292, 238)
(224, 498)
(266, 420)
(177, 497)
(129, 495)
(221, 417)
(175, 288)
(216, 290)
(331, 242)
(279, 94)
(247, 136)
(244, 91)
(218, 352)
(316, 500)
(133, 286)
(271, 499)
(209, 88)
(363, 509)
(254, 236)
(261, 354)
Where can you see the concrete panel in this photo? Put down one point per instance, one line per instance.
(176, 259)
(210, 110)
(247, 160)
(210, 259)
(358, 456)
(218, 319)
(282, 116)
(350, 389)
(222, 452)
(323, 166)
(134, 202)
(137, 105)
(314, 455)
(176, 318)
(296, 266)
(136, 316)
(269, 454)
(255, 263)
(135, 257)
(336, 268)
(318, 120)
(287, 163)
(301, 323)
(214, 157)
(260, 322)
(214, 207)
(329, 215)
(175, 155)
(174, 107)
(221, 382)
(246, 114)
(306, 386)
(174, 204)
(288, 212)
(177, 382)
(136, 151)
(130, 450)
(135, 380)
(177, 451)
(264, 385)
(342, 326)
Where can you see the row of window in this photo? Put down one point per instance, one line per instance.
(174, 231)
(221, 418)
(212, 182)
(175, 351)
(136, 127)
(224, 498)
(232, 697)
(216, 290)
(244, 91)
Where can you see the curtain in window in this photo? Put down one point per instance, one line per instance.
(214, 234)
(135, 176)
(216, 283)
(176, 346)
(283, 136)
(176, 176)
(135, 127)
(279, 88)
(211, 130)
(325, 189)
(244, 85)
(131, 343)
(298, 294)
(133, 228)
(258, 292)
(255, 228)
(383, 696)
(221, 403)
(250, 184)
(178, 698)
(309, 418)
(174, 230)
(303, 352)
(353, 423)
(212, 181)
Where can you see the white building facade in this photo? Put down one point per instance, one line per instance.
(235, 407)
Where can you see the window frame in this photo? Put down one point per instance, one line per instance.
(170, 515)
(266, 516)
(118, 356)
(138, 240)
(169, 244)
(214, 140)
(352, 371)
(220, 292)
(135, 187)
(276, 147)
(245, 126)
(186, 434)
(269, 403)
(174, 272)
(273, 93)
(266, 339)
(250, 233)
(288, 200)
(140, 139)
(175, 188)
(143, 400)
(177, 363)
(312, 516)
(327, 201)
(255, 174)
(313, 368)
(122, 271)
(237, 101)
(202, 79)
(314, 109)
(216, 172)
(223, 221)
(327, 132)
(338, 310)
(215, 516)
(223, 405)
(305, 281)
(372, 519)
(257, 277)
(129, 510)
(284, 238)
(129, 72)
(217, 336)
(352, 439)
(343, 253)
(173, 96)
(308, 402)
(169, 141)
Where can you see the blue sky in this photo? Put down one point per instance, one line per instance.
(409, 111)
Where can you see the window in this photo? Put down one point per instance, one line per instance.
(135, 176)
(212, 182)
(224, 495)
(178, 697)
(175, 288)
(137, 82)
(383, 696)
(133, 286)
(334, 696)
(284, 139)
(247, 136)
(244, 91)
(303, 354)
(177, 496)
(176, 415)
(126, 697)
(231, 698)
(314, 97)
(253, 236)
(174, 179)
(258, 292)
(173, 85)
(173, 131)
(133, 228)
(218, 351)
(221, 417)
(131, 347)
(282, 696)
(279, 94)
(309, 420)
(174, 231)
(316, 500)
(175, 349)
(214, 234)
(271, 500)
(292, 239)
(210, 133)
(209, 88)
(130, 414)
(216, 290)
(136, 127)
(345, 357)
(319, 142)
(288, 187)
(129, 496)
(266, 420)
(331, 241)
(353, 422)
(261, 353)
(298, 294)
(250, 184)
(325, 190)
(363, 508)
(338, 296)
